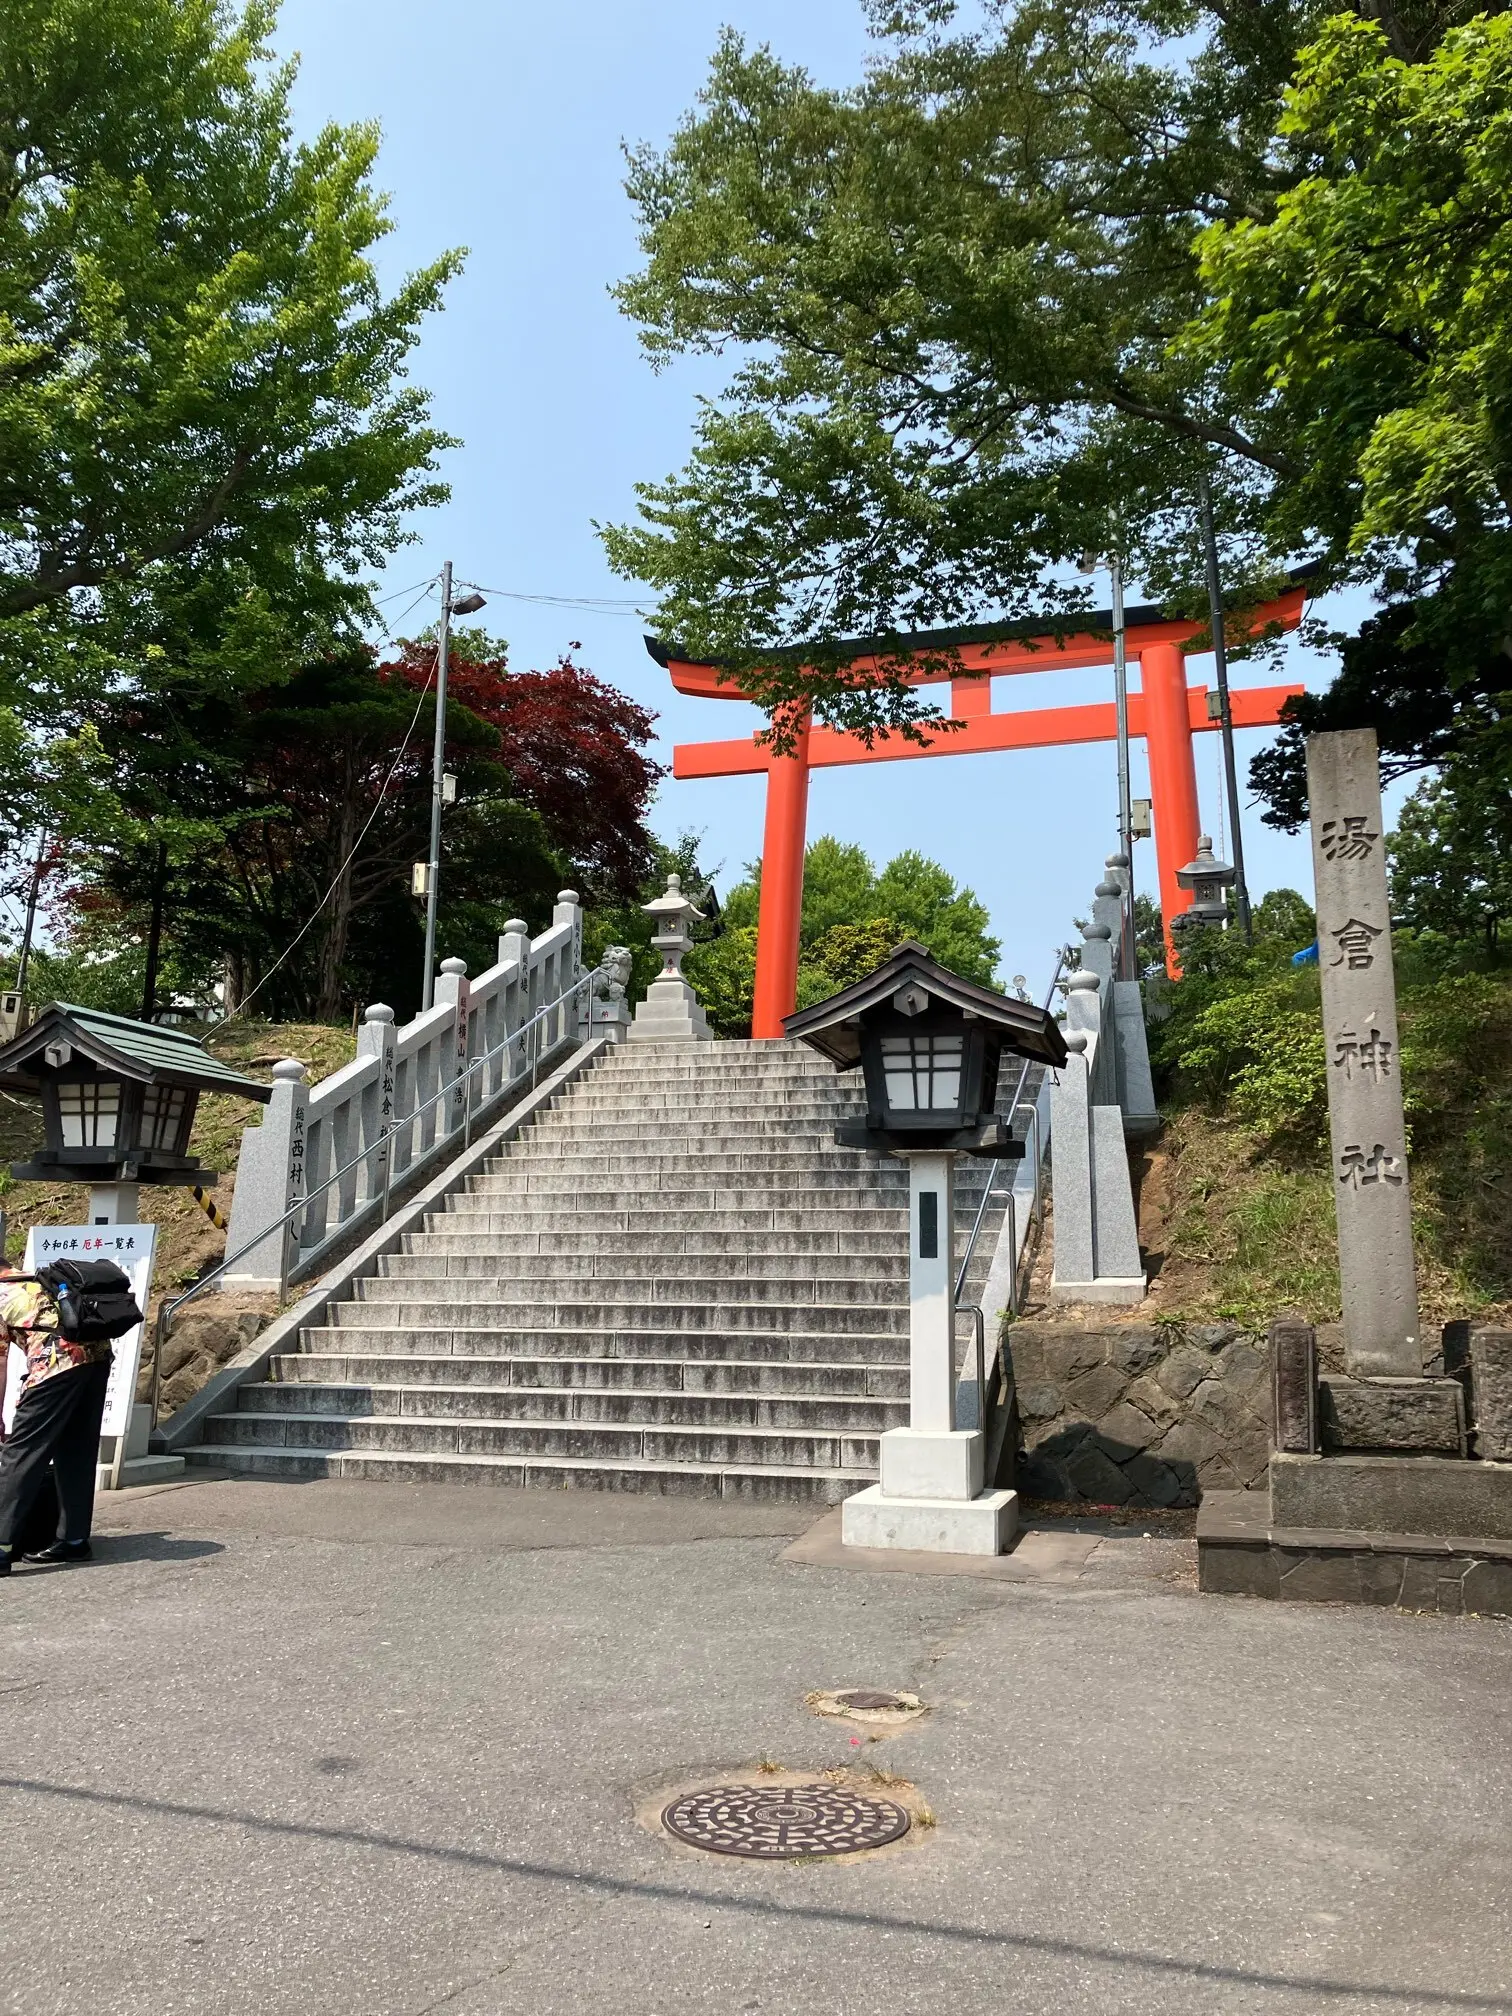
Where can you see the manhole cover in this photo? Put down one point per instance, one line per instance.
(865, 1697)
(777, 1823)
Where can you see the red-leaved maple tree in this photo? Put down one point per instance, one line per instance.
(575, 748)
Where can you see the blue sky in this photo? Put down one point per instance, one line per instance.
(502, 132)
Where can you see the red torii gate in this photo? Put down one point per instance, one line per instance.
(1166, 711)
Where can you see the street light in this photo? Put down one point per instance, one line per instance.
(465, 605)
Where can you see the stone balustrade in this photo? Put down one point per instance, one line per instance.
(345, 1143)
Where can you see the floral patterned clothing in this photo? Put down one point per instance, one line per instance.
(29, 1317)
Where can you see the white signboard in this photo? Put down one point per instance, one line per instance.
(131, 1248)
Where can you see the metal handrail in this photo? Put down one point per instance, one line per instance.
(1018, 1100)
(974, 1309)
(167, 1310)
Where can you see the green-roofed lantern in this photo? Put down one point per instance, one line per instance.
(118, 1096)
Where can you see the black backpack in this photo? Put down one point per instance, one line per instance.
(94, 1299)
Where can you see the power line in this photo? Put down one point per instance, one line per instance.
(599, 605)
(390, 630)
(394, 594)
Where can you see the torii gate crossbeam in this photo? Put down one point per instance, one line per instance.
(1165, 711)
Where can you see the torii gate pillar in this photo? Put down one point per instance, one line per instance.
(1173, 776)
(781, 915)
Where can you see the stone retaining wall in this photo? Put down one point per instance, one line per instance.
(1140, 1414)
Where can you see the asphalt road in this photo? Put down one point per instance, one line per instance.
(373, 1751)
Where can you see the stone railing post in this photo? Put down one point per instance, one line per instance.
(377, 1038)
(1085, 994)
(1071, 1163)
(514, 943)
(569, 910)
(270, 1180)
(454, 990)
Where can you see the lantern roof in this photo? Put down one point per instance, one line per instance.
(1205, 866)
(148, 1053)
(834, 1026)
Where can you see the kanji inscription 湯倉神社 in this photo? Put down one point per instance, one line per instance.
(1367, 1134)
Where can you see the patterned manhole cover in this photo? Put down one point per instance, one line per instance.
(778, 1822)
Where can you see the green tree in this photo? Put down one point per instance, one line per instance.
(1451, 858)
(205, 435)
(195, 352)
(1368, 315)
(852, 917)
(954, 296)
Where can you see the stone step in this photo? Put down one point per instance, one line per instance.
(551, 1215)
(618, 1442)
(716, 1071)
(664, 1163)
(445, 1301)
(457, 1243)
(698, 1126)
(783, 1377)
(646, 1406)
(779, 1486)
(734, 1194)
(673, 1281)
(636, 1264)
(469, 1341)
(663, 1158)
(842, 1318)
(770, 1103)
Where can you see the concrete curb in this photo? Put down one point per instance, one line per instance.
(183, 1429)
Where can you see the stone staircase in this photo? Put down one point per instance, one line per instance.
(672, 1281)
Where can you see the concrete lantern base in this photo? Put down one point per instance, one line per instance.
(932, 1463)
(984, 1525)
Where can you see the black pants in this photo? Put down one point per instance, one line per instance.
(57, 1424)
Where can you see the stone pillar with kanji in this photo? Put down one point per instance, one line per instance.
(1368, 1137)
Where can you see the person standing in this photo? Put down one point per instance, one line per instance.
(55, 1435)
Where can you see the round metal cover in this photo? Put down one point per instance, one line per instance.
(776, 1823)
(864, 1697)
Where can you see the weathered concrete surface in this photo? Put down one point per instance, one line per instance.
(1491, 1393)
(1392, 1494)
(1241, 1553)
(252, 1765)
(1411, 1416)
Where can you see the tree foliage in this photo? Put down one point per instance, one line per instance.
(196, 358)
(852, 918)
(996, 303)
(310, 799)
(1451, 857)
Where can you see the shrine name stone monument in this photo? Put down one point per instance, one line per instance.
(1383, 1485)
(1367, 1131)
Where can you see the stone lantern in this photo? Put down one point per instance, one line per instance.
(670, 1012)
(928, 1044)
(1209, 880)
(118, 1103)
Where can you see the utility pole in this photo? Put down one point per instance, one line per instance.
(1225, 716)
(465, 605)
(438, 765)
(31, 913)
(1125, 801)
